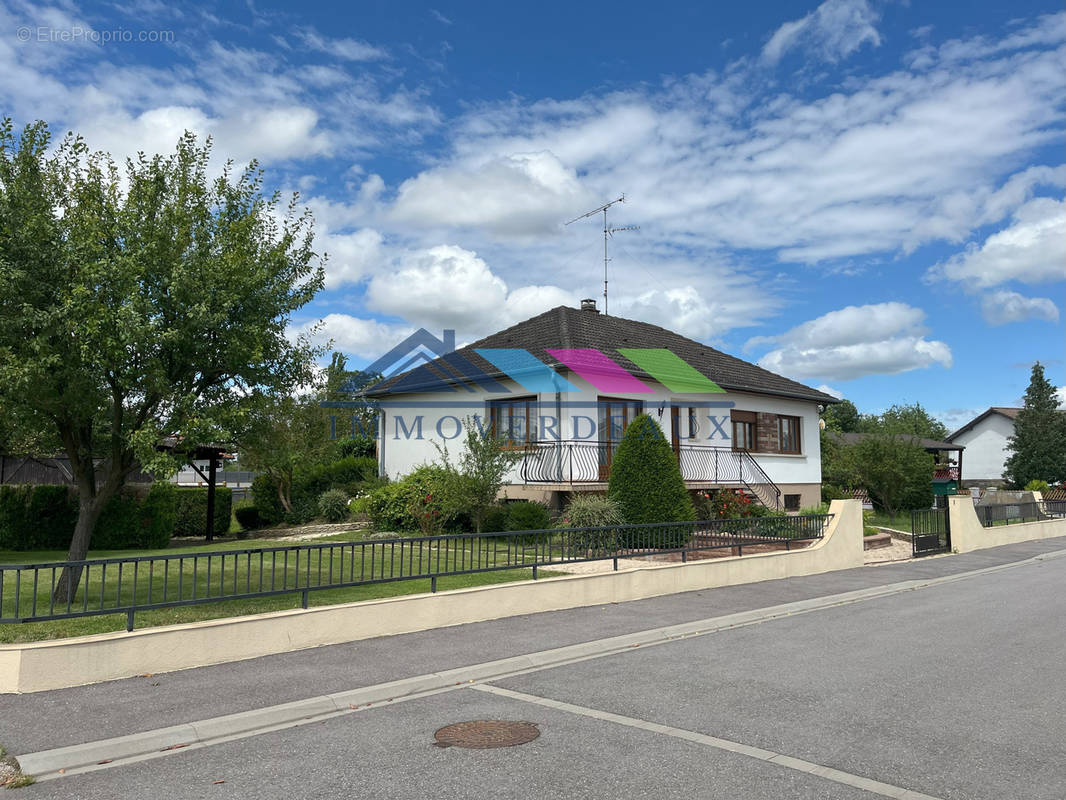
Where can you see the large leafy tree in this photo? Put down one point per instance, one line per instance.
(913, 420)
(286, 433)
(842, 417)
(1038, 447)
(893, 468)
(141, 302)
(354, 418)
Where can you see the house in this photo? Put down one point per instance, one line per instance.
(947, 461)
(561, 387)
(985, 438)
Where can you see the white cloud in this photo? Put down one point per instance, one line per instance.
(450, 287)
(882, 165)
(528, 301)
(520, 193)
(1032, 249)
(443, 287)
(831, 32)
(1062, 397)
(829, 390)
(878, 339)
(362, 338)
(352, 256)
(1001, 307)
(344, 48)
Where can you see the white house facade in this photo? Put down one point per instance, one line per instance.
(985, 439)
(572, 379)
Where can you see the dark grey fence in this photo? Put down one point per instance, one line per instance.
(930, 531)
(49, 471)
(1013, 513)
(32, 592)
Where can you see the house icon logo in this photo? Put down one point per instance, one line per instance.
(420, 347)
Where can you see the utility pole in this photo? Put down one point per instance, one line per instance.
(607, 233)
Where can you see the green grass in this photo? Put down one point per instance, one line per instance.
(242, 569)
(901, 522)
(20, 780)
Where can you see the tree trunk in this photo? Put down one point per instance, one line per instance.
(283, 496)
(89, 510)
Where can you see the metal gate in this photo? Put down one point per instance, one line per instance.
(930, 532)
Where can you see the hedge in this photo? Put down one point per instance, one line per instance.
(646, 482)
(191, 509)
(43, 517)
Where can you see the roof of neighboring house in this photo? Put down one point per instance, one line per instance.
(1004, 411)
(572, 328)
(928, 444)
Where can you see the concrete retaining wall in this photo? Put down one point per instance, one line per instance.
(968, 534)
(37, 666)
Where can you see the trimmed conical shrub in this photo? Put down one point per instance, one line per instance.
(646, 482)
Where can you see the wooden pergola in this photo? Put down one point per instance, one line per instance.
(213, 454)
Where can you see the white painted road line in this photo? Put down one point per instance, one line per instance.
(779, 759)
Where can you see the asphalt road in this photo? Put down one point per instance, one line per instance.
(952, 691)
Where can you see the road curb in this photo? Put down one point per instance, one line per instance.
(73, 759)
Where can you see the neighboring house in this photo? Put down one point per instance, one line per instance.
(561, 387)
(947, 460)
(985, 438)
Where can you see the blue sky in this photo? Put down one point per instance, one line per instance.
(861, 195)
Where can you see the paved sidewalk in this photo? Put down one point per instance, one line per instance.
(71, 716)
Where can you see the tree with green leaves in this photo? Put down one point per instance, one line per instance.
(893, 468)
(482, 466)
(842, 417)
(1038, 447)
(286, 433)
(141, 302)
(913, 420)
(354, 417)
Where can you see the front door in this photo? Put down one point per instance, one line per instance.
(614, 415)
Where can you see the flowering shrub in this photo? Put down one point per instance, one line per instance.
(427, 512)
(725, 504)
(426, 500)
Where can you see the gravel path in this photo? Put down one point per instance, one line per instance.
(899, 550)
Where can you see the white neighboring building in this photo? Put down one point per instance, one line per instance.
(561, 387)
(985, 439)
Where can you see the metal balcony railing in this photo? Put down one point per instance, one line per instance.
(578, 462)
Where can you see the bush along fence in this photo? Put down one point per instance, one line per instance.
(42, 517)
(28, 592)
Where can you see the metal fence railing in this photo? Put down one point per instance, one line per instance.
(590, 462)
(36, 592)
(1013, 513)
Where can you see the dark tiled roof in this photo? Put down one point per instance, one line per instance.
(565, 328)
(928, 444)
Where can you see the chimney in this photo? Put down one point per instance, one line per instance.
(588, 304)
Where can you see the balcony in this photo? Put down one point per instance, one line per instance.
(945, 473)
(569, 463)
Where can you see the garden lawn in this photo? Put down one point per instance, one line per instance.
(880, 519)
(243, 566)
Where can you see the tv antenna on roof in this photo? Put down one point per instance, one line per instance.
(607, 233)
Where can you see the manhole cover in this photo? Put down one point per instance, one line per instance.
(484, 733)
